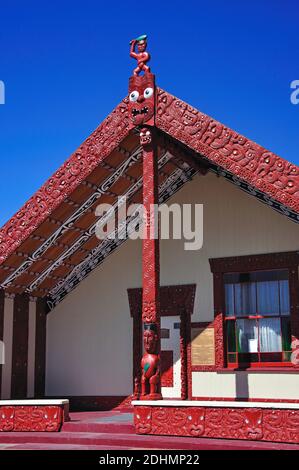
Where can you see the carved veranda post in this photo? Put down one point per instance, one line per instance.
(142, 114)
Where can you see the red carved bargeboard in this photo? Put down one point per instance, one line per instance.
(233, 152)
(257, 166)
(31, 418)
(257, 424)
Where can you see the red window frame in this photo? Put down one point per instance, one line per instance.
(265, 276)
(245, 264)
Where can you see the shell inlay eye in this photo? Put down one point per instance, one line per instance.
(134, 95)
(148, 92)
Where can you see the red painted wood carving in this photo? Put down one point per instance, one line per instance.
(276, 177)
(66, 179)
(256, 424)
(174, 300)
(31, 418)
(150, 364)
(141, 111)
(142, 100)
(235, 153)
(142, 56)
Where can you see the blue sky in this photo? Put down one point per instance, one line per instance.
(66, 65)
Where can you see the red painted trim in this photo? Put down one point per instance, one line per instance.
(38, 418)
(20, 346)
(40, 348)
(254, 424)
(266, 261)
(278, 367)
(258, 366)
(65, 180)
(2, 300)
(250, 162)
(174, 300)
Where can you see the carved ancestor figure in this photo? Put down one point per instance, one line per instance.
(141, 87)
(150, 363)
(142, 56)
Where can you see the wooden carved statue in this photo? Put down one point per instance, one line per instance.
(150, 364)
(141, 87)
(142, 56)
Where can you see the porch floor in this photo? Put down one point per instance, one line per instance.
(112, 430)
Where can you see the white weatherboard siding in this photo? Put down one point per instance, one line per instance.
(89, 335)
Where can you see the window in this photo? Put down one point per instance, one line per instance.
(257, 318)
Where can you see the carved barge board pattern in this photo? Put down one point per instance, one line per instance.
(31, 418)
(250, 162)
(256, 424)
(65, 180)
(241, 158)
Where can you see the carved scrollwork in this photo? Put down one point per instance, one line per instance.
(249, 161)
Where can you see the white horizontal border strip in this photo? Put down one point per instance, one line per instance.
(215, 404)
(33, 402)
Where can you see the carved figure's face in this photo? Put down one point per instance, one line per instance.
(150, 341)
(196, 422)
(141, 99)
(141, 46)
(143, 420)
(253, 424)
(145, 136)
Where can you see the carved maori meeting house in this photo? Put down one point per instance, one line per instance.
(201, 343)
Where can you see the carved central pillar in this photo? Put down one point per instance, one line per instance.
(151, 373)
(142, 110)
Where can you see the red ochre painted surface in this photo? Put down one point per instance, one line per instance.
(31, 418)
(114, 430)
(252, 424)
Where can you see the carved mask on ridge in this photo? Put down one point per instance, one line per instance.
(142, 99)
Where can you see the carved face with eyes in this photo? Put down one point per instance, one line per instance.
(145, 136)
(142, 99)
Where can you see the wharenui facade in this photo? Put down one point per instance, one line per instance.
(199, 336)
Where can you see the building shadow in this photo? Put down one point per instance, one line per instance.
(242, 387)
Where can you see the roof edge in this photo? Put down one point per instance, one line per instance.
(263, 170)
(104, 139)
(233, 152)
